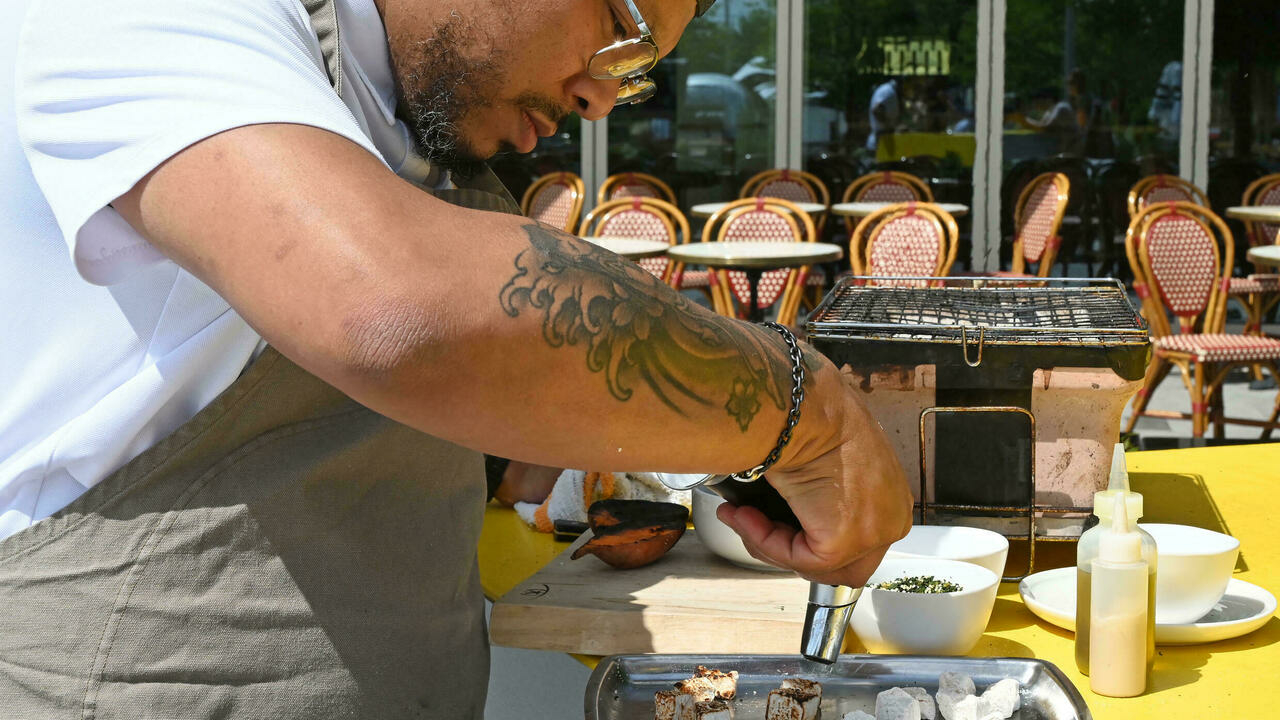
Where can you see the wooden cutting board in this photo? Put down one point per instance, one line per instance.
(689, 601)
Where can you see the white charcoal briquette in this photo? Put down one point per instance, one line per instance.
(811, 686)
(970, 708)
(958, 683)
(712, 710)
(896, 704)
(928, 710)
(857, 715)
(793, 703)
(1003, 698)
(664, 704)
(701, 689)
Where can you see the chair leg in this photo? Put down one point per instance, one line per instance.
(1216, 411)
(1275, 411)
(1199, 408)
(1156, 372)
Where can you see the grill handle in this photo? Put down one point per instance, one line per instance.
(964, 345)
(1029, 509)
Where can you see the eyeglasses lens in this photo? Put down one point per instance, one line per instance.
(626, 59)
(636, 90)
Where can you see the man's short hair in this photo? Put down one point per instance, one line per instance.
(703, 7)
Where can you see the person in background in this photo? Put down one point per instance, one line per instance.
(1056, 119)
(265, 305)
(884, 112)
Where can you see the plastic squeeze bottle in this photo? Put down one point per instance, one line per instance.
(1118, 611)
(1087, 550)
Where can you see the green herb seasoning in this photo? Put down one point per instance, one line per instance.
(919, 584)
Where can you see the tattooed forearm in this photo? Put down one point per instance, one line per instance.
(636, 331)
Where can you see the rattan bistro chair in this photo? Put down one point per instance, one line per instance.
(1264, 191)
(1260, 291)
(1037, 220)
(885, 186)
(634, 184)
(759, 220)
(1163, 188)
(647, 218)
(790, 185)
(555, 200)
(906, 239)
(796, 186)
(1183, 252)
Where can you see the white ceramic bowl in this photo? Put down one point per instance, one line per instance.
(973, 545)
(1193, 567)
(718, 537)
(898, 623)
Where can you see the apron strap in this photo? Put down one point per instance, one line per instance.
(324, 23)
(484, 191)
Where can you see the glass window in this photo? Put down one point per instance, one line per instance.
(559, 153)
(889, 84)
(711, 125)
(1244, 107)
(1093, 89)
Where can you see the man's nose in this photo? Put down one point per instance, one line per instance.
(593, 98)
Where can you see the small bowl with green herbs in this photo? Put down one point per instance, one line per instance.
(924, 606)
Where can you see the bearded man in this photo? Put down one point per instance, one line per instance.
(262, 311)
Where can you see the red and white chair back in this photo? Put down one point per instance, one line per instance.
(790, 185)
(1181, 251)
(887, 186)
(634, 184)
(1263, 192)
(788, 188)
(644, 218)
(555, 200)
(1037, 219)
(905, 240)
(1161, 189)
(1182, 259)
(761, 219)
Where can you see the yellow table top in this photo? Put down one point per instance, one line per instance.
(1228, 489)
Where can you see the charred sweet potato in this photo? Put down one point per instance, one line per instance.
(632, 533)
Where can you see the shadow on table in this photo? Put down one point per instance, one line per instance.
(1010, 614)
(1180, 665)
(1183, 499)
(993, 646)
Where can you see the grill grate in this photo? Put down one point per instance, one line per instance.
(1051, 311)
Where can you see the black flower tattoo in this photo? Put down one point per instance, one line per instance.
(742, 404)
(638, 333)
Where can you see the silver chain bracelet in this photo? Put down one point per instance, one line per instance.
(793, 416)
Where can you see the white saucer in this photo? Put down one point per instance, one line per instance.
(1245, 607)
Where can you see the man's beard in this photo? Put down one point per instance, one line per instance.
(439, 87)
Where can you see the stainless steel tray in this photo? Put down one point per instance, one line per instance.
(622, 686)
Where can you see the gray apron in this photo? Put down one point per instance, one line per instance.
(287, 553)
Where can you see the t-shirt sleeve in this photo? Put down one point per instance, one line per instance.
(107, 90)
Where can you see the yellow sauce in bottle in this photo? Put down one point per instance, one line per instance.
(1084, 589)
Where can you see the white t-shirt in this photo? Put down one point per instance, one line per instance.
(108, 346)
(885, 96)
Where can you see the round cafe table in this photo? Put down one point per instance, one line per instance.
(1265, 255)
(709, 209)
(628, 247)
(1255, 213)
(754, 258)
(863, 209)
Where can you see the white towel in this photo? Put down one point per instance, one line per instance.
(575, 490)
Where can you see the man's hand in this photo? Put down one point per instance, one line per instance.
(847, 489)
(523, 482)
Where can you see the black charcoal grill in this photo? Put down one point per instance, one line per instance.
(949, 347)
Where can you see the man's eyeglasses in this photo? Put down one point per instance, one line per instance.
(627, 59)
